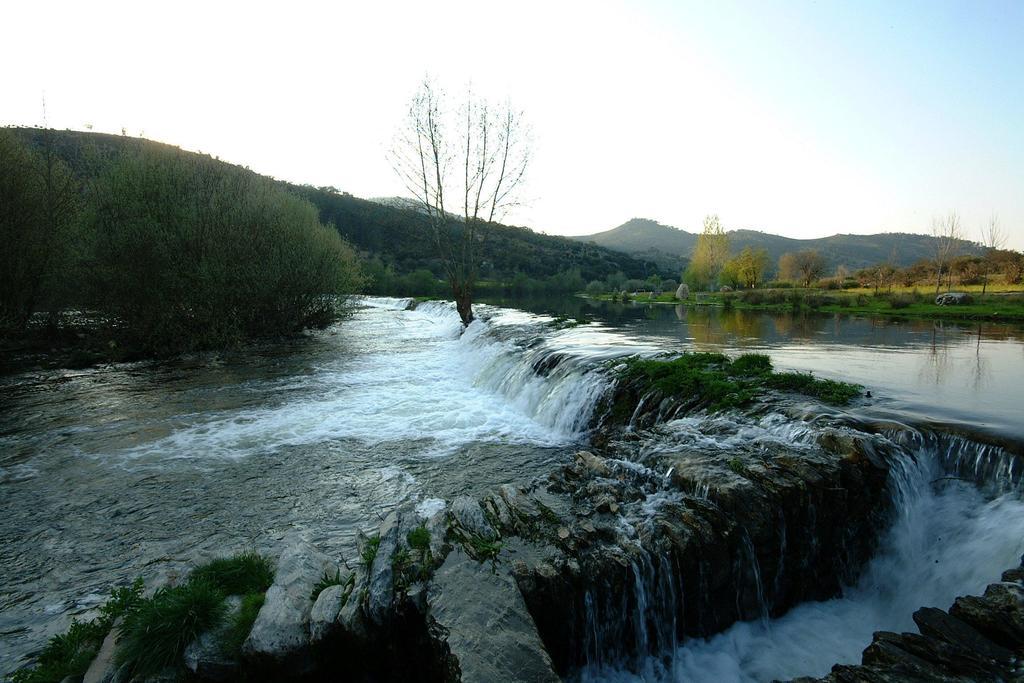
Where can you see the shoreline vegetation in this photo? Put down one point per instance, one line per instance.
(1006, 305)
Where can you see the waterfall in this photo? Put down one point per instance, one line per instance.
(946, 537)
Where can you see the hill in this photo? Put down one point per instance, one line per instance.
(669, 246)
(388, 231)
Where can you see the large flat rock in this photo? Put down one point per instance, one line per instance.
(490, 631)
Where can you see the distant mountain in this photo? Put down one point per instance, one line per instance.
(668, 246)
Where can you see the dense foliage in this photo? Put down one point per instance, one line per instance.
(190, 253)
(169, 250)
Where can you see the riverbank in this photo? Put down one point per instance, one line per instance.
(994, 307)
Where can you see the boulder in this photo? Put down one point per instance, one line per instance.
(323, 618)
(683, 291)
(381, 582)
(593, 464)
(468, 514)
(954, 299)
(482, 617)
(282, 626)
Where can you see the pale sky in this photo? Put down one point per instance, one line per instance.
(798, 118)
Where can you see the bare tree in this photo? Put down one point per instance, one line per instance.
(465, 167)
(992, 238)
(948, 234)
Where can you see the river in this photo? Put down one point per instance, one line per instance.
(146, 468)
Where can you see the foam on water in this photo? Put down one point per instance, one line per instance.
(419, 378)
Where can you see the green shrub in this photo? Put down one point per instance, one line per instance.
(751, 364)
(244, 573)
(189, 254)
(154, 634)
(711, 379)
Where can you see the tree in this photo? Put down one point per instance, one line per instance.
(802, 266)
(39, 204)
(947, 235)
(465, 168)
(993, 239)
(709, 255)
(747, 268)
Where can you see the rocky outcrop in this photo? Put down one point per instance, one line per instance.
(281, 631)
(485, 624)
(980, 638)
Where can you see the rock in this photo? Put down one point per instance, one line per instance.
(485, 624)
(381, 582)
(470, 516)
(351, 617)
(937, 624)
(593, 464)
(437, 526)
(999, 614)
(954, 299)
(282, 626)
(204, 656)
(683, 291)
(323, 618)
(725, 288)
(103, 666)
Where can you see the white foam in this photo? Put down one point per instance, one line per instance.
(416, 377)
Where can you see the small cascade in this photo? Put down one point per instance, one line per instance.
(956, 521)
(988, 465)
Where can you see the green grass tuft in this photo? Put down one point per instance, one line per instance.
(326, 581)
(715, 381)
(369, 551)
(70, 653)
(419, 538)
(237, 575)
(154, 634)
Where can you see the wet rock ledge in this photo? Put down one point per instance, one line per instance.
(979, 638)
(604, 561)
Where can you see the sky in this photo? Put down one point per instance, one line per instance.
(797, 118)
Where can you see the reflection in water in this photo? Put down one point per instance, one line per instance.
(948, 371)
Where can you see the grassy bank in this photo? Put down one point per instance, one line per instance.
(153, 632)
(1004, 305)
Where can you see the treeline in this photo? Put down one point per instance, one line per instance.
(161, 250)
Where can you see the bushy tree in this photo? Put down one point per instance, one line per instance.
(190, 253)
(39, 210)
(709, 255)
(802, 266)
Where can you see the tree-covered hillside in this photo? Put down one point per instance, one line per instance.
(394, 236)
(668, 246)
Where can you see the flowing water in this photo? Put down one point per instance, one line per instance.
(145, 468)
